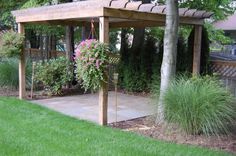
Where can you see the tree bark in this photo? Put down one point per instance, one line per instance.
(138, 40)
(69, 42)
(168, 67)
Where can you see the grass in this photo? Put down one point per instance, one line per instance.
(29, 129)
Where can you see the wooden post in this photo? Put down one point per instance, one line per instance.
(22, 89)
(197, 49)
(103, 92)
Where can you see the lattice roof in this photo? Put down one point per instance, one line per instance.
(121, 13)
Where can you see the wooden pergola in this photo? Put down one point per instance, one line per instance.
(107, 14)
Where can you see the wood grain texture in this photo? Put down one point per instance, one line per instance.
(197, 49)
(22, 86)
(103, 91)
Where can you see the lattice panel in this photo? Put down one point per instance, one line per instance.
(114, 58)
(224, 68)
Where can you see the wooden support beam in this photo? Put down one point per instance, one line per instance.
(197, 49)
(136, 24)
(53, 13)
(103, 92)
(22, 88)
(146, 16)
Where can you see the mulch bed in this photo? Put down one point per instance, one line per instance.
(40, 94)
(146, 126)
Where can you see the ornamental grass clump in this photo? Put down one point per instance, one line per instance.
(200, 105)
(91, 59)
(9, 73)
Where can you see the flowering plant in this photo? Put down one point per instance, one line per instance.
(91, 59)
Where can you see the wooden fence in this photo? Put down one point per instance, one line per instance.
(224, 68)
(37, 54)
(227, 72)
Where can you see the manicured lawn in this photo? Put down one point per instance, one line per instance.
(28, 129)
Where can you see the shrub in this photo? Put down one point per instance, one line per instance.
(54, 74)
(11, 44)
(134, 81)
(199, 105)
(9, 73)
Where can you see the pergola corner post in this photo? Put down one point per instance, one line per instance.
(197, 49)
(103, 92)
(22, 87)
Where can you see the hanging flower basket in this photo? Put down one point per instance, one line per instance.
(91, 58)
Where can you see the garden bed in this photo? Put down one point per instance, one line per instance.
(146, 126)
(40, 94)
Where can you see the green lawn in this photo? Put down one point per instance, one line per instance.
(28, 129)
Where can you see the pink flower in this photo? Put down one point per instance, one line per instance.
(91, 59)
(97, 64)
(77, 53)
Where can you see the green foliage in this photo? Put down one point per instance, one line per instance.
(136, 70)
(5, 11)
(11, 44)
(113, 39)
(134, 81)
(92, 59)
(9, 73)
(54, 74)
(217, 35)
(220, 8)
(199, 105)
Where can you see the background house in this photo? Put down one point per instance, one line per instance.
(229, 27)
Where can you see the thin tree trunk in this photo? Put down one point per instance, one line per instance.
(46, 43)
(168, 67)
(41, 46)
(69, 46)
(124, 47)
(69, 42)
(138, 42)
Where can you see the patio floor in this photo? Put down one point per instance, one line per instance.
(86, 106)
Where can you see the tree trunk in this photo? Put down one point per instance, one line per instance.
(69, 42)
(168, 67)
(138, 40)
(124, 47)
(46, 44)
(41, 46)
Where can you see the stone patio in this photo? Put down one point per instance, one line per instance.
(86, 106)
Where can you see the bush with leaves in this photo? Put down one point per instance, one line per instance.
(92, 58)
(199, 105)
(54, 74)
(136, 69)
(11, 44)
(9, 73)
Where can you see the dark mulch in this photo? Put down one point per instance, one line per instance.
(146, 126)
(40, 94)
